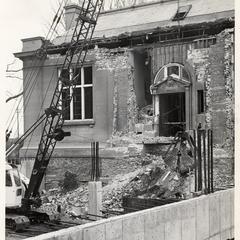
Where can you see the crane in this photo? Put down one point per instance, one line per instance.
(53, 116)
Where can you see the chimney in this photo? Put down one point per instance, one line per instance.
(71, 13)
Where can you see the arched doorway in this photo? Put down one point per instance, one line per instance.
(171, 99)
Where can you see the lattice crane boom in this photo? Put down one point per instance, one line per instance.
(81, 38)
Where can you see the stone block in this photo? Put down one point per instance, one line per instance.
(95, 232)
(154, 224)
(214, 214)
(114, 230)
(133, 227)
(202, 218)
(188, 212)
(232, 207)
(173, 223)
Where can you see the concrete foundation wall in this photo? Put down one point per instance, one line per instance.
(209, 217)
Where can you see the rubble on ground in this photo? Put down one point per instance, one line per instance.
(154, 180)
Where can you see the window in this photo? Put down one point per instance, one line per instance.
(200, 98)
(8, 179)
(81, 106)
(181, 13)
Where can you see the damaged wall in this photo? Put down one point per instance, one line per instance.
(213, 66)
(117, 64)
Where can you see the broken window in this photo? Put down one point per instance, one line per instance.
(200, 99)
(181, 13)
(81, 106)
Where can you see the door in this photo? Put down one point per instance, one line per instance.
(172, 113)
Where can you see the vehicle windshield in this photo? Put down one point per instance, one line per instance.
(8, 179)
(16, 177)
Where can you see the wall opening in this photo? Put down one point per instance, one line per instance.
(172, 113)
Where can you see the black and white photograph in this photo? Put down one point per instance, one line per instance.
(118, 120)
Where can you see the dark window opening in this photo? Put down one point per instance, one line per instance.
(181, 13)
(88, 103)
(200, 98)
(173, 70)
(8, 179)
(88, 75)
(66, 103)
(77, 99)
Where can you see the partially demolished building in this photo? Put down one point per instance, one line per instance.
(172, 60)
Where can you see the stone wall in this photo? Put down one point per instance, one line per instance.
(214, 68)
(118, 65)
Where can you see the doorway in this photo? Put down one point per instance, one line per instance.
(172, 113)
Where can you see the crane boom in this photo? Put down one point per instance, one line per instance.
(81, 38)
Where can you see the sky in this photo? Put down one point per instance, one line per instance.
(21, 19)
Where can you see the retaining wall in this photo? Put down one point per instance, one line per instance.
(209, 217)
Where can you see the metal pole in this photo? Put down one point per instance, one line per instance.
(204, 160)
(195, 159)
(208, 160)
(97, 162)
(199, 160)
(211, 161)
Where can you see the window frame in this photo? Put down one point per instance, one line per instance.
(82, 86)
(181, 9)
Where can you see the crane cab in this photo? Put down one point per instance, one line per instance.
(14, 188)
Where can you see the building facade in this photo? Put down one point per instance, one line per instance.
(172, 60)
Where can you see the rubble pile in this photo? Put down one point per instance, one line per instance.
(155, 180)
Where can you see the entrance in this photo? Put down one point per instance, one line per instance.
(172, 113)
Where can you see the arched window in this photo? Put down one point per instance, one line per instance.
(172, 69)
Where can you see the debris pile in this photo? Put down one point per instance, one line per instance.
(154, 180)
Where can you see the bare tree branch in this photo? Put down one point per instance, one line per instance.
(15, 96)
(9, 76)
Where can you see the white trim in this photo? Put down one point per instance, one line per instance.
(81, 86)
